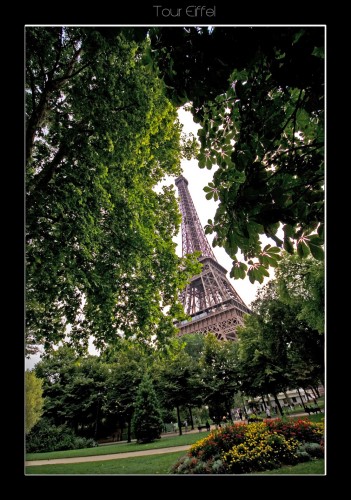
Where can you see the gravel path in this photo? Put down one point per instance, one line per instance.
(114, 456)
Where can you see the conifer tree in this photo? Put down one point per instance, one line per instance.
(147, 421)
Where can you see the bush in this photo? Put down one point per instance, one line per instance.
(303, 456)
(45, 436)
(242, 448)
(314, 450)
(303, 430)
(218, 441)
(261, 450)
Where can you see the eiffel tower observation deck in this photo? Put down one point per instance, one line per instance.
(210, 299)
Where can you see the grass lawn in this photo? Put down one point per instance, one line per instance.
(164, 442)
(317, 417)
(313, 467)
(154, 464)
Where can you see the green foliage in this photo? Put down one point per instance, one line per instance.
(147, 421)
(34, 399)
(258, 95)
(74, 389)
(269, 155)
(301, 283)
(126, 368)
(100, 136)
(194, 345)
(303, 430)
(277, 348)
(261, 358)
(314, 450)
(46, 436)
(177, 379)
(219, 376)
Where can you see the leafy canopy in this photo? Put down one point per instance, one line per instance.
(258, 95)
(34, 400)
(100, 136)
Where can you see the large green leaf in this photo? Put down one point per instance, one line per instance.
(288, 246)
(316, 251)
(302, 249)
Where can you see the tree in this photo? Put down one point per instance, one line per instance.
(147, 421)
(34, 400)
(126, 368)
(194, 345)
(261, 111)
(74, 389)
(100, 136)
(177, 380)
(301, 284)
(219, 375)
(276, 348)
(261, 370)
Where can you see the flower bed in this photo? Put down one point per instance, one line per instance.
(243, 448)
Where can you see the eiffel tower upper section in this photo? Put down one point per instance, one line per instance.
(210, 300)
(193, 236)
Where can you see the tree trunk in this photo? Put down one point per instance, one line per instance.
(179, 422)
(227, 407)
(191, 418)
(244, 405)
(264, 403)
(317, 391)
(288, 400)
(129, 432)
(278, 405)
(96, 421)
(303, 404)
(313, 391)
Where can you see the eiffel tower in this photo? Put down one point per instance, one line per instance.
(209, 299)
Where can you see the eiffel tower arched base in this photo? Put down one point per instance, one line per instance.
(222, 323)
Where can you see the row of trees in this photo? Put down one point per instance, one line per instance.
(277, 348)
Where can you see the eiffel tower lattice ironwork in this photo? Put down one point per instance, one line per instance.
(210, 300)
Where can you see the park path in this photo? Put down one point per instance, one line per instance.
(113, 456)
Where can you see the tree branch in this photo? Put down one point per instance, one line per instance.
(39, 113)
(295, 115)
(32, 87)
(46, 174)
(33, 123)
(290, 117)
(68, 75)
(313, 146)
(58, 55)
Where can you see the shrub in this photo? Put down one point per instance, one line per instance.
(314, 450)
(302, 430)
(45, 436)
(261, 450)
(242, 448)
(219, 440)
(303, 456)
